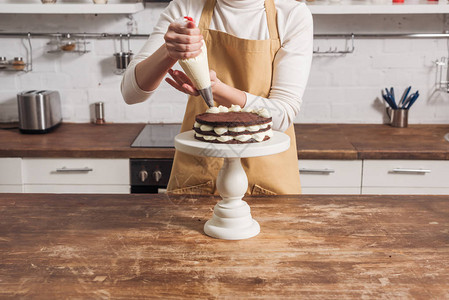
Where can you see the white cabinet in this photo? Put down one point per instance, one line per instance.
(330, 176)
(10, 175)
(405, 177)
(75, 175)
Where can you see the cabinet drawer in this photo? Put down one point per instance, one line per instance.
(10, 171)
(77, 189)
(405, 190)
(330, 173)
(405, 173)
(75, 171)
(330, 190)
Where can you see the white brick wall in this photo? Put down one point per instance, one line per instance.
(341, 89)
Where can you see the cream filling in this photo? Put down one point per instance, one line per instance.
(197, 69)
(263, 112)
(260, 136)
(224, 129)
(221, 130)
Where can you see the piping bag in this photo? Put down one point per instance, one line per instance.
(197, 69)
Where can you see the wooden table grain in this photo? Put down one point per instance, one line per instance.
(153, 246)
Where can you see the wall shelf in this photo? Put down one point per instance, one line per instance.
(71, 8)
(348, 7)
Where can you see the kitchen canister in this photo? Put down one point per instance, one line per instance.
(398, 117)
(99, 113)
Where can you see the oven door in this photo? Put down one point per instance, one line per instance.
(149, 176)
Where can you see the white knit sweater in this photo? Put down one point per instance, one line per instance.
(246, 19)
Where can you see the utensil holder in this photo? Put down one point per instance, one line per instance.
(398, 117)
(122, 59)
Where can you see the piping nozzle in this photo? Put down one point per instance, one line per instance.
(207, 96)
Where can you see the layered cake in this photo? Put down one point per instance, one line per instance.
(233, 125)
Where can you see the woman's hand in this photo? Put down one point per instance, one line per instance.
(183, 83)
(223, 93)
(183, 41)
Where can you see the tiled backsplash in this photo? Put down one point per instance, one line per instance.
(341, 89)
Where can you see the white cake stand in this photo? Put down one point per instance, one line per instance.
(232, 216)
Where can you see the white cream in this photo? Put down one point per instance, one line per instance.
(242, 138)
(263, 112)
(259, 136)
(253, 128)
(197, 69)
(224, 138)
(237, 129)
(220, 130)
(235, 108)
(213, 110)
(223, 109)
(209, 137)
(224, 129)
(206, 128)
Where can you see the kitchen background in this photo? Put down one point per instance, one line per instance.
(343, 88)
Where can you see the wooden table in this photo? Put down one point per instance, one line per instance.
(144, 246)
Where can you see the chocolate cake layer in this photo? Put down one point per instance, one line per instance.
(230, 133)
(232, 141)
(231, 119)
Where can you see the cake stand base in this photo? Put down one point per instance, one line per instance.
(232, 233)
(232, 218)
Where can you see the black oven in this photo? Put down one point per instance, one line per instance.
(149, 176)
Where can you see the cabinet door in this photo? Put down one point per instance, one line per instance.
(10, 175)
(405, 177)
(10, 171)
(72, 171)
(330, 176)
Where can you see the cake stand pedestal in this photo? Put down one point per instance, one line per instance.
(232, 218)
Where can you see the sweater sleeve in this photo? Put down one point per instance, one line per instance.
(291, 69)
(131, 91)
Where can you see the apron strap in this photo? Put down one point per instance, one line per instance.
(206, 15)
(272, 19)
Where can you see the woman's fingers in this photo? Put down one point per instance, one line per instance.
(183, 51)
(189, 29)
(181, 82)
(183, 41)
(189, 89)
(185, 88)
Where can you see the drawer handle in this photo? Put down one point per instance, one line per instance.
(73, 170)
(321, 171)
(410, 171)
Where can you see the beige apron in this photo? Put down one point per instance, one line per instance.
(246, 65)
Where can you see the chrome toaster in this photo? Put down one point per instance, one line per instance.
(39, 111)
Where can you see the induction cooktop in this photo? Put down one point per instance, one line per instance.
(157, 136)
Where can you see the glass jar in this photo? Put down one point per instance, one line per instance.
(68, 43)
(18, 64)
